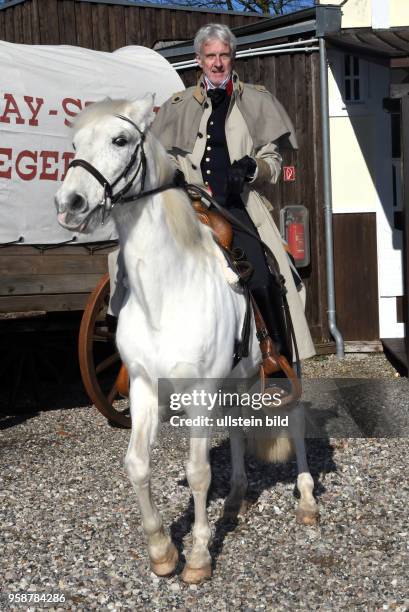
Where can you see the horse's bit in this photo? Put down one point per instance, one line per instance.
(110, 199)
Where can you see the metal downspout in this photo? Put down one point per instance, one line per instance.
(329, 243)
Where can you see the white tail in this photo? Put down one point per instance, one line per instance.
(270, 449)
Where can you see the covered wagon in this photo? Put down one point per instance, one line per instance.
(45, 268)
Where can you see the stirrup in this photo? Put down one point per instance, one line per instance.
(273, 363)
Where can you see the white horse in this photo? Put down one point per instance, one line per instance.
(181, 316)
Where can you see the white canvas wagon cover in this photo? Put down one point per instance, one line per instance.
(41, 89)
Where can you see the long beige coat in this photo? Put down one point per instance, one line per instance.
(255, 123)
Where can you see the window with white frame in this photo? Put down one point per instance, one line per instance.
(352, 79)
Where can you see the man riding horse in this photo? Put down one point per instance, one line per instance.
(181, 317)
(225, 134)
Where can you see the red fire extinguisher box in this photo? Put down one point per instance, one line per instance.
(295, 230)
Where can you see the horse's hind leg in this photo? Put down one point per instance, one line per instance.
(307, 511)
(198, 565)
(235, 504)
(144, 410)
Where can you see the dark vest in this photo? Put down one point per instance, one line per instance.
(216, 159)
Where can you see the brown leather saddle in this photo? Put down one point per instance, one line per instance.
(273, 363)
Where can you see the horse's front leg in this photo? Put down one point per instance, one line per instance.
(307, 511)
(198, 565)
(144, 411)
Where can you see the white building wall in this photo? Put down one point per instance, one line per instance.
(378, 14)
(355, 13)
(361, 168)
(398, 13)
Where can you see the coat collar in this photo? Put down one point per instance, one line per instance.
(200, 93)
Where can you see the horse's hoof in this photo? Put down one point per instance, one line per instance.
(167, 565)
(196, 575)
(233, 511)
(307, 517)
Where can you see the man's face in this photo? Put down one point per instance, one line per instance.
(215, 60)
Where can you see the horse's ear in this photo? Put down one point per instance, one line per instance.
(141, 111)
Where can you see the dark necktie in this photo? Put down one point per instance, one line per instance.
(217, 96)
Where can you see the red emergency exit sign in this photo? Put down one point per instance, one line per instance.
(289, 173)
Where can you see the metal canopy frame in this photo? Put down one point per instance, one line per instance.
(317, 21)
(244, 41)
(393, 43)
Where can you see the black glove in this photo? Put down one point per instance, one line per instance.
(239, 172)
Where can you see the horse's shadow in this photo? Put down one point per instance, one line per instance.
(260, 476)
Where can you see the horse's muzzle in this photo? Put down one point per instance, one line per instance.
(73, 203)
(71, 209)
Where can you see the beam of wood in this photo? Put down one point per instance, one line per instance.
(352, 346)
(400, 62)
(325, 348)
(14, 265)
(48, 284)
(24, 250)
(44, 303)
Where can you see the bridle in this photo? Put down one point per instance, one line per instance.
(110, 199)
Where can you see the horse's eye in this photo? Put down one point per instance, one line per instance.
(120, 141)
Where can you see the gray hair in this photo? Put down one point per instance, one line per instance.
(212, 31)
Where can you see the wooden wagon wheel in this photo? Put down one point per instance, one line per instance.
(99, 359)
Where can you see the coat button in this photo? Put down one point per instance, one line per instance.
(194, 167)
(206, 183)
(208, 136)
(199, 135)
(206, 105)
(207, 159)
(208, 148)
(212, 122)
(208, 172)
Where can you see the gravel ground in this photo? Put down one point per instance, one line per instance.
(70, 523)
(354, 365)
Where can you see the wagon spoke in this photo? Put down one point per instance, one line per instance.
(112, 394)
(106, 363)
(100, 338)
(104, 331)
